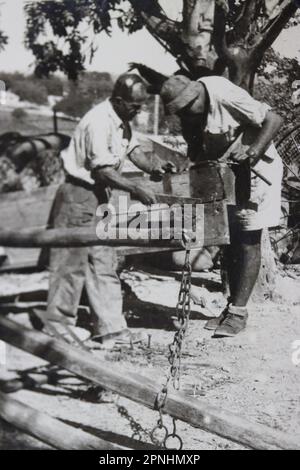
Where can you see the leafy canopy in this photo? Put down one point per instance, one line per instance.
(63, 34)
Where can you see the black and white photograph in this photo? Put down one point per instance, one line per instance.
(149, 228)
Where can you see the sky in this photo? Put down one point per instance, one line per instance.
(114, 52)
(113, 55)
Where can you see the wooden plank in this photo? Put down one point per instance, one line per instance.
(168, 153)
(20, 210)
(138, 388)
(78, 237)
(216, 224)
(20, 265)
(206, 182)
(47, 429)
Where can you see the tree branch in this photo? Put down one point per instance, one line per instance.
(245, 19)
(195, 15)
(219, 35)
(272, 30)
(165, 30)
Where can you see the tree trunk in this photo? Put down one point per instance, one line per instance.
(266, 282)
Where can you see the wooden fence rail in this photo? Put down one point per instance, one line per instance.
(196, 412)
(77, 237)
(53, 432)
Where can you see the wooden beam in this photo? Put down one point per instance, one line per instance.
(70, 237)
(47, 429)
(213, 184)
(78, 237)
(196, 412)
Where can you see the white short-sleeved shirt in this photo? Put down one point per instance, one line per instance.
(232, 109)
(97, 142)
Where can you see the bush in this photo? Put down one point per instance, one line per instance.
(31, 91)
(76, 105)
(91, 88)
(19, 114)
(53, 85)
(11, 78)
(274, 84)
(31, 88)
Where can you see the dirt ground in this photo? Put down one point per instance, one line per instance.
(252, 374)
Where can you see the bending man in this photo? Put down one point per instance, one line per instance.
(213, 113)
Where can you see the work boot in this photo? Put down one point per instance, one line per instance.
(213, 323)
(234, 321)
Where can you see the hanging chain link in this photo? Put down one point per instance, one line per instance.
(138, 432)
(160, 434)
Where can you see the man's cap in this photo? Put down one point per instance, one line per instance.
(177, 92)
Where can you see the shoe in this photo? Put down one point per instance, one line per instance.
(63, 328)
(234, 322)
(213, 323)
(121, 338)
(69, 333)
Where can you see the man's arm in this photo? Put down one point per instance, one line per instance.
(268, 131)
(154, 165)
(108, 176)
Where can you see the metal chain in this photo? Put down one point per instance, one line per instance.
(138, 432)
(183, 310)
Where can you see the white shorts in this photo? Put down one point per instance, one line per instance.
(264, 206)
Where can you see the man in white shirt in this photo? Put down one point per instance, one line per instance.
(213, 113)
(93, 163)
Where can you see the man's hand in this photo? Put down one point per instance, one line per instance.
(268, 131)
(110, 177)
(251, 153)
(161, 168)
(153, 165)
(146, 196)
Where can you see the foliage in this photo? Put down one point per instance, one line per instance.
(274, 84)
(54, 85)
(3, 38)
(91, 88)
(19, 114)
(10, 78)
(67, 20)
(62, 33)
(31, 88)
(31, 91)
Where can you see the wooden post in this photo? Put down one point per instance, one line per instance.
(47, 429)
(196, 412)
(55, 123)
(156, 115)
